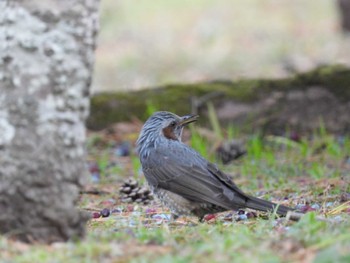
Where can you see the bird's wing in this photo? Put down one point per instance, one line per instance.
(224, 178)
(183, 171)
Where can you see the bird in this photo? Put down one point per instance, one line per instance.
(182, 179)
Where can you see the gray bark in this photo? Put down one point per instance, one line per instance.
(46, 58)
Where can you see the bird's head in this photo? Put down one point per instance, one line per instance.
(163, 125)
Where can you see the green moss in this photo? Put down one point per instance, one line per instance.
(107, 108)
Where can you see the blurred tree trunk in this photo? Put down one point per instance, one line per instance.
(344, 9)
(46, 58)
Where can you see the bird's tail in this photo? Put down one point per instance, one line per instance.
(266, 206)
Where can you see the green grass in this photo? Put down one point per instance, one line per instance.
(313, 171)
(238, 242)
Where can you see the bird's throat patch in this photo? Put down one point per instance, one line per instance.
(169, 133)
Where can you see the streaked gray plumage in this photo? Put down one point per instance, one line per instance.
(182, 179)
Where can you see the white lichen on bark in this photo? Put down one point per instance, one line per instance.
(7, 130)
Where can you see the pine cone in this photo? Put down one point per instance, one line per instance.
(131, 192)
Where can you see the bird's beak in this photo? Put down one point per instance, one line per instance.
(185, 120)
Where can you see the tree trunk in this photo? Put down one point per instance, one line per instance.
(344, 11)
(46, 58)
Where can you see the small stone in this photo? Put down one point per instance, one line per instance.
(299, 207)
(105, 212)
(95, 177)
(329, 204)
(241, 218)
(159, 218)
(316, 206)
(117, 210)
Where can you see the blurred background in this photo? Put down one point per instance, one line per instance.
(146, 43)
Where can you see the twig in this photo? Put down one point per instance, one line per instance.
(94, 192)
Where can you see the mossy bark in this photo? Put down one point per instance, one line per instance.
(107, 108)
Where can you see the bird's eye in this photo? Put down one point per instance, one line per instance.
(172, 124)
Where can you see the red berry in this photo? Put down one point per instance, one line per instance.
(96, 215)
(209, 217)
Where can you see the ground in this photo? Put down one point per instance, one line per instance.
(311, 173)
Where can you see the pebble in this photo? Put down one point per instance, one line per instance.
(241, 217)
(299, 206)
(329, 204)
(160, 218)
(316, 206)
(105, 212)
(117, 210)
(95, 177)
